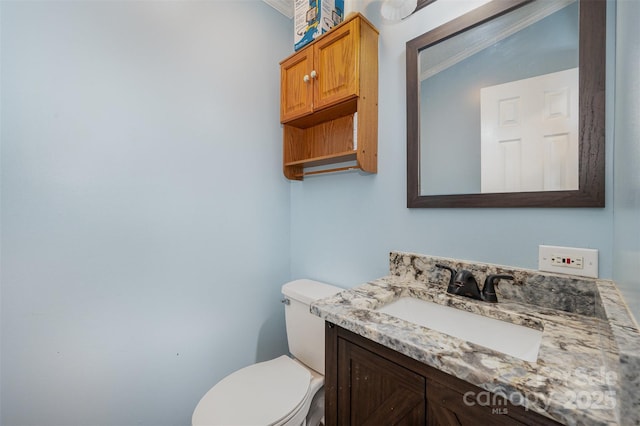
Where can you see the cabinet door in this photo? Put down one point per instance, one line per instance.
(375, 391)
(447, 407)
(369, 384)
(296, 85)
(336, 65)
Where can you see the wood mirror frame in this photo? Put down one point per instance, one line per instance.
(422, 3)
(590, 192)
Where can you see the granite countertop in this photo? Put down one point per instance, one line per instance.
(583, 374)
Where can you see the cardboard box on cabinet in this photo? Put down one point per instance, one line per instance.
(313, 18)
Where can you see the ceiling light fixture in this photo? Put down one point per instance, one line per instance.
(396, 10)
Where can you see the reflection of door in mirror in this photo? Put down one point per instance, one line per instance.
(529, 134)
(538, 39)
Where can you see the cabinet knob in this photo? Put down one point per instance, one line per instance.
(305, 78)
(314, 74)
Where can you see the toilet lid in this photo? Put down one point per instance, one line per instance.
(260, 394)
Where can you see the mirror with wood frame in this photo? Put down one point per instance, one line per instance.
(505, 107)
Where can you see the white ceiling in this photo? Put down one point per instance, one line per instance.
(283, 6)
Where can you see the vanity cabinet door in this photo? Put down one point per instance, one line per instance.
(376, 391)
(369, 384)
(447, 407)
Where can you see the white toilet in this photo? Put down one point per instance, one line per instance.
(283, 391)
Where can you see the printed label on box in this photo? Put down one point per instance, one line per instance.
(313, 18)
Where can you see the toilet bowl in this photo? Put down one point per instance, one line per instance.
(275, 392)
(283, 391)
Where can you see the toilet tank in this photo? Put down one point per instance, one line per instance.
(305, 331)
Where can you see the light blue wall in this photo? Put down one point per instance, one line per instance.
(145, 229)
(344, 225)
(626, 248)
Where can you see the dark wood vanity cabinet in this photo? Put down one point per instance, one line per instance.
(378, 391)
(369, 384)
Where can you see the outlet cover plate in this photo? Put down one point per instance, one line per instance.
(567, 260)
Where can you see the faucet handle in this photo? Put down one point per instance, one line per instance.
(448, 268)
(490, 283)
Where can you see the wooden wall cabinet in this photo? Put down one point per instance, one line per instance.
(329, 101)
(369, 384)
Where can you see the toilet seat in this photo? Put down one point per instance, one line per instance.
(267, 393)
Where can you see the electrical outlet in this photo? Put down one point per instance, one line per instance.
(568, 260)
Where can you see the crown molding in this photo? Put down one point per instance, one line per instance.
(283, 6)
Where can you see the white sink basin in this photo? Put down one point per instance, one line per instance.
(511, 339)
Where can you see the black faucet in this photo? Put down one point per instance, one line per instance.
(463, 283)
(490, 283)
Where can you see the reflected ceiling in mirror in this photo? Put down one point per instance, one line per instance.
(505, 107)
